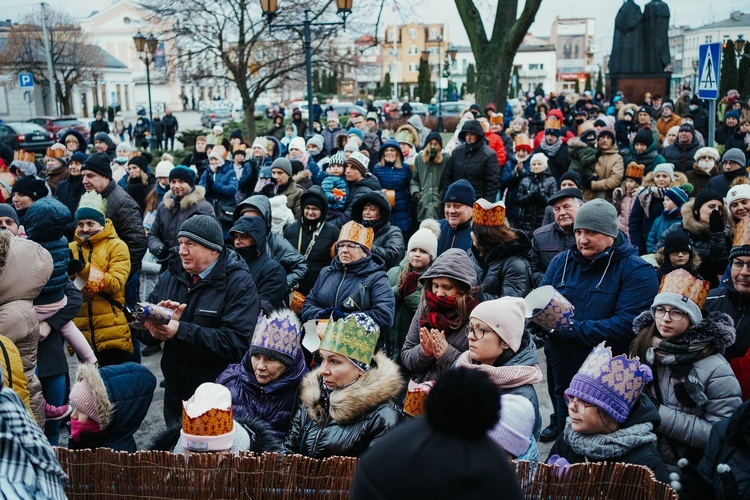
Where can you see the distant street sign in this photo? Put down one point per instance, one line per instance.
(708, 70)
(26, 80)
(28, 97)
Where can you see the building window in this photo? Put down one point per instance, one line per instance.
(413, 34)
(392, 68)
(393, 52)
(434, 33)
(413, 68)
(413, 50)
(726, 38)
(709, 38)
(536, 66)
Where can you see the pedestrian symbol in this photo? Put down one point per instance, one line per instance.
(708, 76)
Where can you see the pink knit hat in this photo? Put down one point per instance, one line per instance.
(89, 395)
(505, 316)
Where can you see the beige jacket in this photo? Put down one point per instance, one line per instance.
(610, 169)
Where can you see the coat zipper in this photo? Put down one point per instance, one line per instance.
(314, 449)
(336, 299)
(91, 306)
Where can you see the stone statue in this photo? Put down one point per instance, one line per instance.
(627, 43)
(656, 30)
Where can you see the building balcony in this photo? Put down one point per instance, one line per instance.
(532, 73)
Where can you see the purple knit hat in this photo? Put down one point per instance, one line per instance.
(612, 384)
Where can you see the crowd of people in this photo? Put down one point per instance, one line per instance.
(397, 256)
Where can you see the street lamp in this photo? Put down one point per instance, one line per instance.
(344, 8)
(146, 47)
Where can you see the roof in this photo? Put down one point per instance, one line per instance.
(736, 20)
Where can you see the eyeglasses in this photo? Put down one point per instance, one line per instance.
(348, 246)
(477, 332)
(578, 405)
(674, 314)
(737, 265)
(679, 252)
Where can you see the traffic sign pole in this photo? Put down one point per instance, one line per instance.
(711, 122)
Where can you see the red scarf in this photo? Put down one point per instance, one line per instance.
(441, 312)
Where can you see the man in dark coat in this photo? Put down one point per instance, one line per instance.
(551, 239)
(170, 128)
(98, 125)
(474, 161)
(733, 166)
(215, 306)
(682, 152)
(455, 229)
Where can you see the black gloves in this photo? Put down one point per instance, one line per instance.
(715, 222)
(162, 253)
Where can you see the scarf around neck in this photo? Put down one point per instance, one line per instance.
(441, 312)
(551, 149)
(609, 446)
(504, 377)
(680, 355)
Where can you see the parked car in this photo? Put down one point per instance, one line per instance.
(454, 108)
(342, 108)
(27, 136)
(418, 108)
(216, 115)
(55, 124)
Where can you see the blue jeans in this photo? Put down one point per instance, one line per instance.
(55, 391)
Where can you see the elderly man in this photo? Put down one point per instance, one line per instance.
(607, 283)
(214, 307)
(733, 298)
(733, 166)
(455, 229)
(682, 153)
(474, 161)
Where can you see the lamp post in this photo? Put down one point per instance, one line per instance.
(450, 56)
(269, 12)
(146, 47)
(739, 47)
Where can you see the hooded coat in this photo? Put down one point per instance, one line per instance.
(25, 267)
(682, 155)
(388, 243)
(45, 224)
(350, 419)
(476, 162)
(610, 170)
(269, 276)
(684, 430)
(277, 247)
(170, 215)
(357, 189)
(320, 234)
(275, 402)
(505, 270)
(127, 221)
(416, 122)
(82, 144)
(649, 158)
(215, 328)
(397, 179)
(533, 193)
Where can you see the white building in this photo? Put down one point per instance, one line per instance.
(738, 24)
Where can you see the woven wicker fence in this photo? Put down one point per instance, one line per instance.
(104, 473)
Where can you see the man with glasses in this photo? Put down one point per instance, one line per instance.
(733, 298)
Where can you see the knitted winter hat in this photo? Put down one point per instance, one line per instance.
(540, 157)
(606, 132)
(205, 230)
(461, 191)
(357, 132)
(707, 151)
(589, 136)
(667, 168)
(236, 134)
(297, 143)
(351, 146)
(140, 162)
(678, 195)
(89, 395)
(78, 157)
(597, 215)
(338, 158)
(704, 196)
(732, 114)
(317, 141)
(277, 336)
(687, 127)
(92, 206)
(571, 176)
(682, 291)
(506, 316)
(677, 240)
(32, 187)
(182, 173)
(668, 105)
(644, 136)
(360, 161)
(283, 164)
(513, 431)
(735, 155)
(262, 143)
(98, 163)
(8, 211)
(426, 238)
(738, 192)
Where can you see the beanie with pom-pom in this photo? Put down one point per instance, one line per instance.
(426, 238)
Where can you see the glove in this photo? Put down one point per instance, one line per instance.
(409, 285)
(417, 195)
(209, 181)
(586, 183)
(715, 223)
(162, 252)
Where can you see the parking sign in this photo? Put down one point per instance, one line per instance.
(708, 70)
(26, 80)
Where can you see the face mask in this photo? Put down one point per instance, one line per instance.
(313, 151)
(121, 160)
(368, 222)
(693, 107)
(433, 153)
(295, 155)
(706, 165)
(249, 252)
(579, 121)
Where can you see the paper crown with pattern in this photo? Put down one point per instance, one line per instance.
(612, 384)
(354, 337)
(489, 214)
(277, 336)
(552, 123)
(742, 233)
(681, 282)
(240, 147)
(221, 150)
(522, 141)
(404, 136)
(635, 170)
(55, 151)
(207, 423)
(22, 155)
(497, 119)
(357, 233)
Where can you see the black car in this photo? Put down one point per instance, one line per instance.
(27, 136)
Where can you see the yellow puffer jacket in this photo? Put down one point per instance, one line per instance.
(103, 324)
(13, 375)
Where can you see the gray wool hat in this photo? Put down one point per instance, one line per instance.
(736, 155)
(283, 164)
(203, 229)
(678, 302)
(597, 215)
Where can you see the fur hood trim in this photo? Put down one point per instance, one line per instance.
(303, 174)
(4, 249)
(382, 383)
(679, 180)
(696, 227)
(622, 110)
(576, 143)
(659, 257)
(188, 201)
(717, 329)
(104, 407)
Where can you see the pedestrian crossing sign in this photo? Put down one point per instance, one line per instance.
(708, 70)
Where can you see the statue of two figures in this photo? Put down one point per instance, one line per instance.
(641, 39)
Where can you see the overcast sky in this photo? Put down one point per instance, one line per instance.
(684, 12)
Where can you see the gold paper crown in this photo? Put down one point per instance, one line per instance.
(239, 147)
(354, 337)
(683, 283)
(552, 123)
(742, 233)
(53, 152)
(22, 155)
(352, 231)
(405, 136)
(635, 170)
(497, 119)
(489, 214)
(221, 150)
(522, 140)
(212, 422)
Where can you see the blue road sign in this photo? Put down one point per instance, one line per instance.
(708, 70)
(26, 80)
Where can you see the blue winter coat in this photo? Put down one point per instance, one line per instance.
(399, 180)
(222, 190)
(274, 403)
(511, 180)
(330, 183)
(454, 238)
(661, 224)
(607, 294)
(45, 224)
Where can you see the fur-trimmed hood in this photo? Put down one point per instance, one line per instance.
(302, 175)
(380, 384)
(576, 143)
(717, 329)
(89, 373)
(696, 227)
(622, 110)
(659, 257)
(189, 200)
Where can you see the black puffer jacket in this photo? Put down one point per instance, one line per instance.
(351, 419)
(682, 155)
(215, 328)
(170, 214)
(126, 217)
(533, 193)
(388, 243)
(278, 248)
(505, 270)
(299, 234)
(477, 163)
(138, 190)
(69, 192)
(647, 455)
(357, 189)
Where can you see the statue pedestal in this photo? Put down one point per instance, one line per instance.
(635, 85)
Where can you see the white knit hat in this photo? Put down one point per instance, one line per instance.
(706, 151)
(506, 316)
(426, 238)
(297, 143)
(738, 192)
(515, 427)
(163, 168)
(540, 157)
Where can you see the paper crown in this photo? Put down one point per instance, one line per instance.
(93, 200)
(522, 141)
(406, 137)
(357, 233)
(354, 337)
(612, 384)
(635, 170)
(685, 284)
(489, 214)
(239, 147)
(22, 155)
(208, 412)
(279, 333)
(221, 150)
(552, 123)
(55, 152)
(742, 233)
(497, 119)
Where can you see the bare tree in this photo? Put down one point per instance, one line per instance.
(74, 59)
(494, 56)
